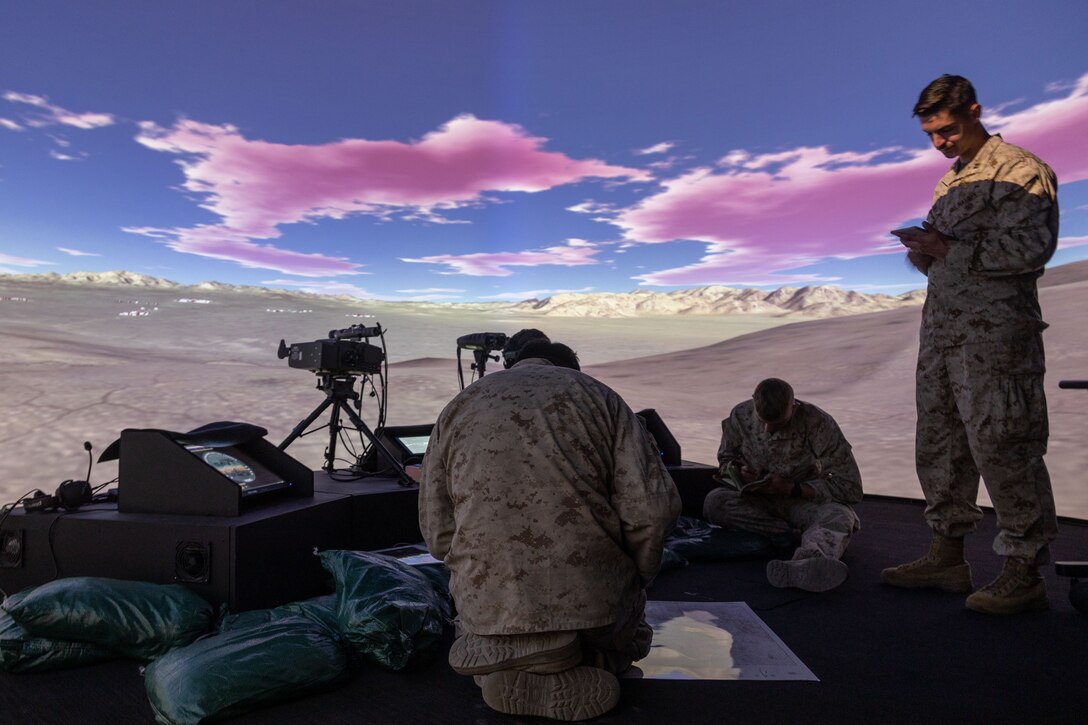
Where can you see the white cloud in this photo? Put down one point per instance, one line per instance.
(22, 261)
(77, 253)
(591, 207)
(47, 114)
(534, 294)
(9, 124)
(657, 148)
(53, 153)
(431, 291)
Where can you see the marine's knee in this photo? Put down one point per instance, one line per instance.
(841, 518)
(718, 505)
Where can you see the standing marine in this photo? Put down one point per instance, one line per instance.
(979, 381)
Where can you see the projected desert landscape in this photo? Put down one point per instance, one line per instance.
(84, 360)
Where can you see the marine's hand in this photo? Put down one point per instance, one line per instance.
(919, 261)
(749, 474)
(932, 243)
(774, 485)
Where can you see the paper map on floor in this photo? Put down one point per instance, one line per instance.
(714, 641)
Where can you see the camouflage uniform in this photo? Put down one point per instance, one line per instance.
(808, 449)
(542, 493)
(980, 400)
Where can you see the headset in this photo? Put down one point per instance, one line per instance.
(70, 495)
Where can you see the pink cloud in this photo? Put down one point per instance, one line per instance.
(222, 243)
(762, 216)
(256, 186)
(1067, 242)
(576, 253)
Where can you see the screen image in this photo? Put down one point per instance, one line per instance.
(250, 475)
(417, 445)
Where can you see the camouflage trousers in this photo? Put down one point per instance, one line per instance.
(615, 646)
(982, 411)
(825, 528)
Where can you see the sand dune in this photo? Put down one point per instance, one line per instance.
(861, 370)
(76, 370)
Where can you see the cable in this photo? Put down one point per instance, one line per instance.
(7, 508)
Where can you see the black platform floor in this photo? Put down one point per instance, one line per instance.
(882, 655)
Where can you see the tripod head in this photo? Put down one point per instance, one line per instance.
(482, 345)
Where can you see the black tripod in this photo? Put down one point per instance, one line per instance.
(340, 394)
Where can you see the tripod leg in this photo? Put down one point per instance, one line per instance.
(334, 433)
(405, 479)
(305, 423)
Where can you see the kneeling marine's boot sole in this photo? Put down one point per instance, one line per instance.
(579, 693)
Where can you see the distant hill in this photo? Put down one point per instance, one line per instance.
(1071, 273)
(818, 301)
(121, 278)
(809, 302)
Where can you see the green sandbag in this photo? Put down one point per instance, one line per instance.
(240, 670)
(21, 651)
(389, 613)
(321, 609)
(696, 540)
(134, 619)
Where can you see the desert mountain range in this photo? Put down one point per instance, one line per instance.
(808, 301)
(80, 367)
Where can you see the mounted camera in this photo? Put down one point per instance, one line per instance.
(344, 352)
(482, 345)
(338, 361)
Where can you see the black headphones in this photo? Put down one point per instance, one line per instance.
(69, 496)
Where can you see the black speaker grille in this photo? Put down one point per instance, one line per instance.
(11, 549)
(193, 562)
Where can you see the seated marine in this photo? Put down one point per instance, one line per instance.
(786, 468)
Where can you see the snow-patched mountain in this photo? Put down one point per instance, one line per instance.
(818, 301)
(122, 278)
(118, 277)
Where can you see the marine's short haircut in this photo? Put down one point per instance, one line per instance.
(511, 352)
(556, 353)
(954, 94)
(773, 398)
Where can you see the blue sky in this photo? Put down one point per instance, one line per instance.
(503, 150)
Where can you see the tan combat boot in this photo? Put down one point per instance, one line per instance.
(813, 574)
(1018, 588)
(942, 568)
(579, 693)
(543, 653)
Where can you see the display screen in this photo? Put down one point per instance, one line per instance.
(416, 445)
(241, 468)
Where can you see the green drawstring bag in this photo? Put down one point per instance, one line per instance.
(321, 610)
(133, 619)
(389, 613)
(21, 651)
(239, 670)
